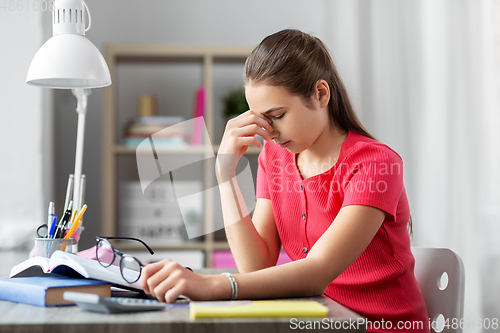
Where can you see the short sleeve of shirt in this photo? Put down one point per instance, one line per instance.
(374, 178)
(262, 190)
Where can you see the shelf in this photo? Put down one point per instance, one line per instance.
(186, 246)
(125, 150)
(221, 245)
(251, 150)
(175, 70)
(137, 52)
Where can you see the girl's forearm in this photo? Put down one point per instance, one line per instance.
(247, 246)
(343, 242)
(301, 278)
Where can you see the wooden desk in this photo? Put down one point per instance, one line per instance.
(23, 318)
(17, 318)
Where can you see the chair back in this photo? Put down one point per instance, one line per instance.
(441, 276)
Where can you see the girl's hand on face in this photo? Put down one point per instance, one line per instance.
(240, 134)
(167, 280)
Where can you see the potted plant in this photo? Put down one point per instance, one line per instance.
(235, 104)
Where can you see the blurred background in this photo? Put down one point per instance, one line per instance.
(424, 76)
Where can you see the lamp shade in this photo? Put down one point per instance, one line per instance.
(68, 61)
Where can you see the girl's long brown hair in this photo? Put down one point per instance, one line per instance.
(296, 61)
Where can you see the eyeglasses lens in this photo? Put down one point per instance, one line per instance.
(130, 268)
(105, 254)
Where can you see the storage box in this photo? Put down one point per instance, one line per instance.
(157, 219)
(224, 259)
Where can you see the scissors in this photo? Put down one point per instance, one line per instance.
(42, 231)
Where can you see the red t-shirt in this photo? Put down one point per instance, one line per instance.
(380, 284)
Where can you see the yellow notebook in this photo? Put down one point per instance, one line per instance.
(257, 309)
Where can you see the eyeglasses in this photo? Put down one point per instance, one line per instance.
(130, 267)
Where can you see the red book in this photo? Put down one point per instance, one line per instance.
(199, 112)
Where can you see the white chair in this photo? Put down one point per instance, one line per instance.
(441, 276)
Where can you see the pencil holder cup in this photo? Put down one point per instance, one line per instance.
(45, 247)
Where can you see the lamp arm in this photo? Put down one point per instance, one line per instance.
(90, 17)
(81, 97)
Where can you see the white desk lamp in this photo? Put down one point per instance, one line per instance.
(68, 60)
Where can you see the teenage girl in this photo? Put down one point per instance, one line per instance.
(327, 192)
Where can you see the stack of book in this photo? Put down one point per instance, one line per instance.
(171, 131)
(164, 130)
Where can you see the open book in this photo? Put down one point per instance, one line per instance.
(71, 265)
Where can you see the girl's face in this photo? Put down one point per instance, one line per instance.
(295, 126)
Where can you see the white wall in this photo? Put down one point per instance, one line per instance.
(21, 138)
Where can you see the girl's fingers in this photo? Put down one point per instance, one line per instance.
(161, 289)
(173, 280)
(173, 293)
(240, 132)
(251, 117)
(155, 279)
(150, 270)
(164, 275)
(176, 281)
(252, 130)
(249, 141)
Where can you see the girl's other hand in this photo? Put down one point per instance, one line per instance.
(167, 280)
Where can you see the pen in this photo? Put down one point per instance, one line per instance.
(82, 191)
(69, 190)
(70, 234)
(53, 227)
(80, 214)
(50, 215)
(73, 229)
(64, 220)
(79, 218)
(73, 216)
(72, 220)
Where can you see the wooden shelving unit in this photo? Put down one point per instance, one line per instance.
(206, 56)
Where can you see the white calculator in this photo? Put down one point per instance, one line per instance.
(95, 303)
